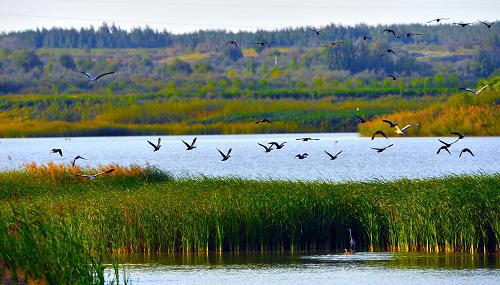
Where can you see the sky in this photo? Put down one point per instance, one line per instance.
(180, 16)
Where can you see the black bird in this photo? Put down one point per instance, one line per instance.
(278, 145)
(315, 31)
(438, 20)
(335, 43)
(267, 148)
(361, 120)
(261, 44)
(225, 156)
(366, 38)
(302, 156)
(464, 151)
(389, 51)
(56, 150)
(307, 139)
(94, 176)
(412, 34)
(94, 79)
(391, 123)
(389, 31)
(463, 25)
(460, 135)
(381, 149)
(333, 157)
(379, 132)
(156, 147)
(486, 24)
(445, 143)
(263, 121)
(352, 242)
(190, 146)
(443, 148)
(76, 158)
(473, 90)
(394, 77)
(232, 43)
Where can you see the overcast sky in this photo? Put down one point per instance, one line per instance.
(180, 16)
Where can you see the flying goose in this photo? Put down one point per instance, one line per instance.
(157, 146)
(94, 79)
(402, 131)
(76, 158)
(443, 147)
(437, 20)
(486, 24)
(333, 157)
(463, 25)
(412, 34)
(225, 156)
(381, 149)
(278, 145)
(263, 121)
(391, 123)
(390, 31)
(394, 77)
(379, 132)
(314, 30)
(94, 176)
(267, 148)
(464, 151)
(445, 143)
(366, 38)
(307, 139)
(232, 43)
(56, 150)
(301, 156)
(190, 146)
(472, 90)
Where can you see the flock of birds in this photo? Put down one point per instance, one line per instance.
(276, 145)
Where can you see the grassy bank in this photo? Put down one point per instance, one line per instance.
(54, 224)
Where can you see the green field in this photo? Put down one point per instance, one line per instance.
(57, 227)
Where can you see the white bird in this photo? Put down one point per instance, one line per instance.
(94, 176)
(472, 90)
(402, 131)
(94, 79)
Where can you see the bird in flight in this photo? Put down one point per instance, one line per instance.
(302, 156)
(94, 79)
(486, 24)
(394, 77)
(390, 31)
(389, 51)
(261, 44)
(225, 156)
(315, 31)
(335, 43)
(278, 145)
(443, 147)
(267, 148)
(307, 139)
(402, 131)
(190, 146)
(366, 38)
(361, 119)
(460, 135)
(472, 90)
(464, 151)
(77, 158)
(379, 132)
(232, 43)
(437, 20)
(94, 176)
(263, 121)
(412, 34)
(157, 146)
(463, 25)
(391, 123)
(56, 150)
(382, 149)
(445, 143)
(333, 157)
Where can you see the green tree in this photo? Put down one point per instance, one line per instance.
(27, 60)
(67, 61)
(180, 66)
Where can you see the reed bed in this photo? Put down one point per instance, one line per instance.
(145, 210)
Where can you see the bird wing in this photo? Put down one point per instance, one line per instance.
(229, 151)
(408, 126)
(375, 148)
(263, 146)
(389, 146)
(431, 21)
(83, 175)
(223, 155)
(479, 91)
(267, 121)
(104, 74)
(105, 172)
(442, 142)
(467, 89)
(329, 154)
(159, 140)
(60, 152)
(467, 150)
(359, 118)
(152, 144)
(194, 141)
(382, 133)
(274, 143)
(389, 122)
(185, 143)
(88, 74)
(74, 160)
(338, 153)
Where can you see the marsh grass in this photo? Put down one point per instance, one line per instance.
(146, 210)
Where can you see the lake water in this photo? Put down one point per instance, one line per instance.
(409, 157)
(359, 268)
